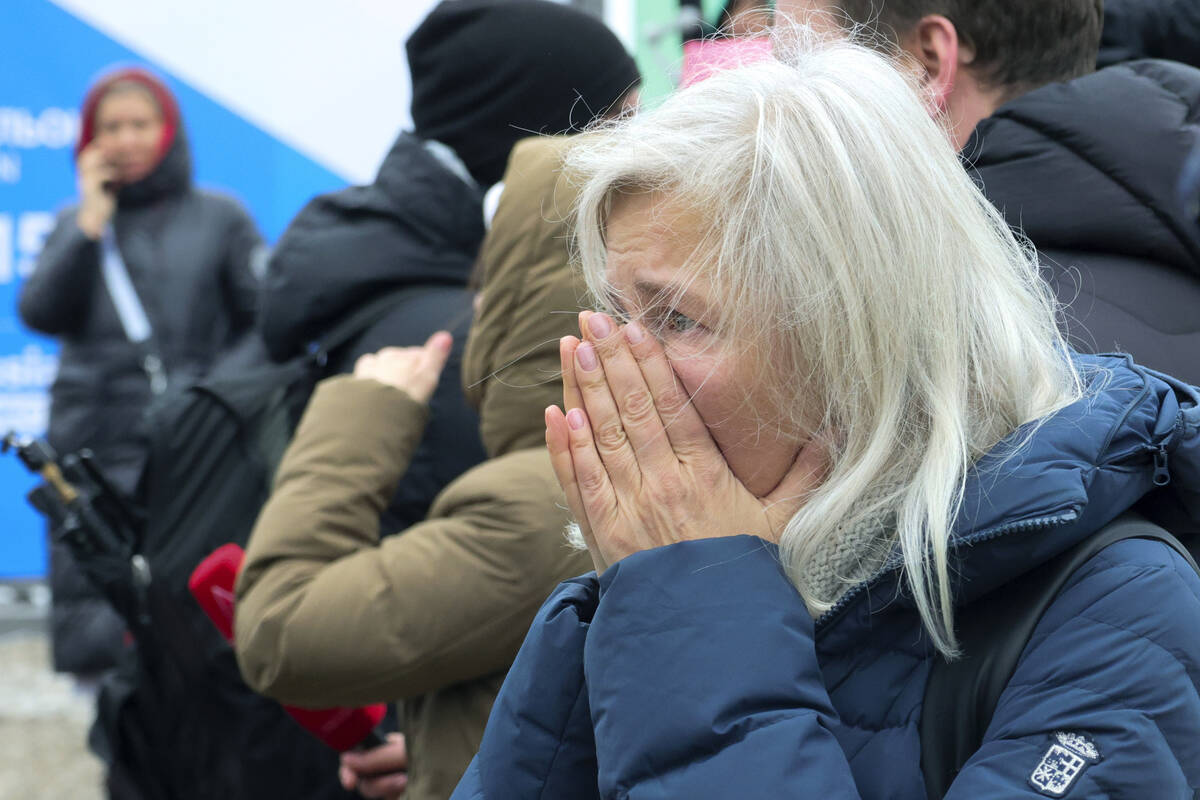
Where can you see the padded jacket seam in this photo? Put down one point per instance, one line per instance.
(561, 741)
(1145, 201)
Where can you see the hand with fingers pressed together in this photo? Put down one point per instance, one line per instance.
(412, 370)
(658, 440)
(638, 463)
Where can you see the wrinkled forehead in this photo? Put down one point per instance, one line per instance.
(655, 252)
(651, 227)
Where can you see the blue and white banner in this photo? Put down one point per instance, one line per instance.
(281, 101)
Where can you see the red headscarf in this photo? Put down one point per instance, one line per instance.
(162, 96)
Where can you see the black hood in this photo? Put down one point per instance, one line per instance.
(1094, 165)
(418, 224)
(172, 175)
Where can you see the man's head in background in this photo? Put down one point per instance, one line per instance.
(977, 55)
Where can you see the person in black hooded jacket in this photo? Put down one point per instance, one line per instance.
(1091, 165)
(485, 74)
(189, 254)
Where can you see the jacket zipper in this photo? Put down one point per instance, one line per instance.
(1162, 475)
(1049, 521)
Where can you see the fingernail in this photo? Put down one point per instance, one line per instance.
(634, 333)
(587, 356)
(575, 419)
(600, 326)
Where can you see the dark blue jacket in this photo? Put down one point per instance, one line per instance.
(695, 670)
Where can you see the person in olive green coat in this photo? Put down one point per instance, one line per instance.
(328, 613)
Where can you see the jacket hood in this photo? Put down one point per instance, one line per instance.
(172, 176)
(1150, 29)
(1094, 165)
(1132, 440)
(173, 173)
(530, 299)
(418, 223)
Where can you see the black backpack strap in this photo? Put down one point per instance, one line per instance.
(363, 317)
(961, 696)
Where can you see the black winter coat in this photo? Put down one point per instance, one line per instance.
(1150, 29)
(1091, 170)
(414, 232)
(189, 254)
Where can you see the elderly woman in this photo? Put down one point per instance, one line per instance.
(827, 407)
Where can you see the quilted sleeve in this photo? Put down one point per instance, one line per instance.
(1105, 700)
(538, 742)
(328, 613)
(245, 259)
(54, 299)
(703, 679)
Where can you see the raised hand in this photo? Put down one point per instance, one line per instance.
(413, 370)
(637, 463)
(97, 198)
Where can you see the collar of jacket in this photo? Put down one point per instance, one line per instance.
(531, 298)
(416, 174)
(1048, 486)
(1094, 164)
(417, 224)
(171, 176)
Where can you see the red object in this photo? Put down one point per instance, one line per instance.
(162, 95)
(212, 584)
(341, 728)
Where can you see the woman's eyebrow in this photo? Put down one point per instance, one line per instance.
(654, 293)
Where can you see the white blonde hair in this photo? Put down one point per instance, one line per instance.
(895, 315)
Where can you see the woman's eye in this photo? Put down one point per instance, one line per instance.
(679, 323)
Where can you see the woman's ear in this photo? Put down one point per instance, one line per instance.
(935, 45)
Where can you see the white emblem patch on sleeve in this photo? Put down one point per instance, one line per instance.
(1068, 755)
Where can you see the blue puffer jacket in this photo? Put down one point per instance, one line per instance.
(695, 671)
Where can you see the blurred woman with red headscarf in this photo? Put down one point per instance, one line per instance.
(145, 280)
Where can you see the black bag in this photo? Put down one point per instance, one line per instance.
(961, 696)
(176, 721)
